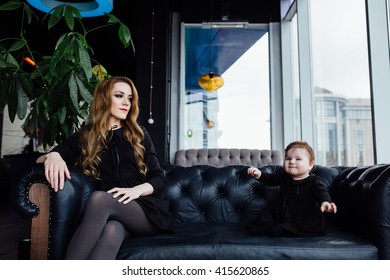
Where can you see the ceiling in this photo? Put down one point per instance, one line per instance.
(260, 11)
(254, 11)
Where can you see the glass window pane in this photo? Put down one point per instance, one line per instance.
(237, 114)
(295, 72)
(341, 83)
(388, 16)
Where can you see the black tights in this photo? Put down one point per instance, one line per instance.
(105, 225)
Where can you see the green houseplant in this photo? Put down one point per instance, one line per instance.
(51, 92)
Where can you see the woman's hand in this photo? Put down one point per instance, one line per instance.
(128, 194)
(125, 194)
(56, 170)
(328, 207)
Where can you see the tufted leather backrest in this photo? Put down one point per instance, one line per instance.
(207, 193)
(364, 190)
(363, 198)
(225, 157)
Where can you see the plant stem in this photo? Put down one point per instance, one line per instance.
(99, 27)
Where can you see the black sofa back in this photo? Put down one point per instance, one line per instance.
(206, 193)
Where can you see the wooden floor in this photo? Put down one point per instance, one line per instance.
(12, 229)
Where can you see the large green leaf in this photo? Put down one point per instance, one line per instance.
(11, 5)
(32, 120)
(68, 15)
(75, 12)
(2, 63)
(28, 12)
(55, 16)
(62, 38)
(85, 59)
(52, 129)
(17, 45)
(26, 83)
(123, 32)
(84, 91)
(10, 59)
(125, 36)
(22, 101)
(12, 100)
(65, 127)
(113, 19)
(59, 53)
(61, 114)
(40, 105)
(73, 91)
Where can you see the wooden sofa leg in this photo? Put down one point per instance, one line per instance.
(40, 195)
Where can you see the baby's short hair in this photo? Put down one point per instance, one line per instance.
(302, 145)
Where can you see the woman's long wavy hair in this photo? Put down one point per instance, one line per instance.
(94, 135)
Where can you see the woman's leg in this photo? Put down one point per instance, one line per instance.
(96, 231)
(108, 244)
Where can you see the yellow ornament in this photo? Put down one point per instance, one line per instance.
(211, 82)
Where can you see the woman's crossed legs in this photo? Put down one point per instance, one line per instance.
(105, 225)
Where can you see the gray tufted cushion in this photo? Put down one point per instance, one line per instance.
(225, 157)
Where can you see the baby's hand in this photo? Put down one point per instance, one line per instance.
(328, 207)
(254, 172)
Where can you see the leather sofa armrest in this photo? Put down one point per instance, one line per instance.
(24, 206)
(55, 214)
(362, 196)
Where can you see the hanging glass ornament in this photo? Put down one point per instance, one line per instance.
(211, 82)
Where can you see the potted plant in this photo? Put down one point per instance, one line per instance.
(52, 91)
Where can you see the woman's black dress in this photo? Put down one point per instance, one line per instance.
(119, 169)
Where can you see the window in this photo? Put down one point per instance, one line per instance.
(331, 85)
(330, 108)
(237, 114)
(340, 75)
(388, 16)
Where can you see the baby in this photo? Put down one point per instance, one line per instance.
(303, 197)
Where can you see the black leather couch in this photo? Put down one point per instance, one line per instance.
(211, 205)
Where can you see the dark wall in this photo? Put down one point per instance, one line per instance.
(253, 11)
(137, 15)
(159, 79)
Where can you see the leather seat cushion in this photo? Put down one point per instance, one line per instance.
(231, 241)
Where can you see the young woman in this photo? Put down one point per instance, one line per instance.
(119, 156)
(303, 197)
